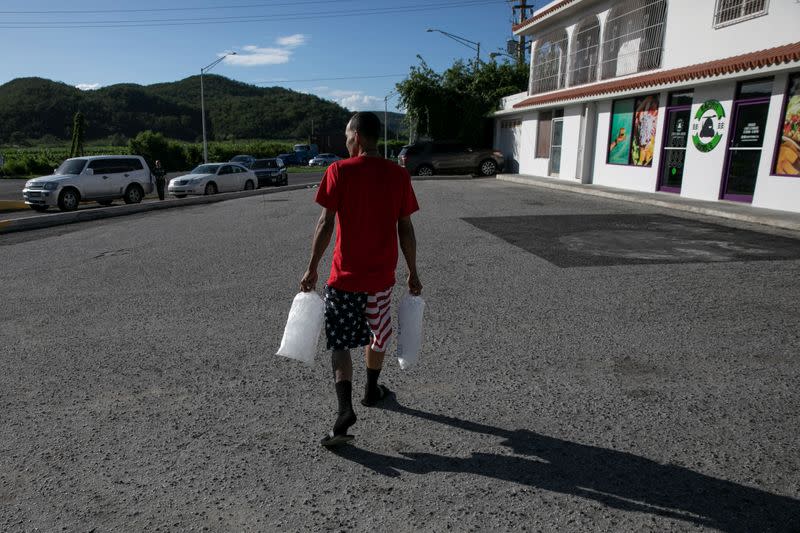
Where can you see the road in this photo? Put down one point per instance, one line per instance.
(11, 189)
(588, 365)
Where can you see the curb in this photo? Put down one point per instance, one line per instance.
(12, 205)
(753, 218)
(58, 219)
(448, 177)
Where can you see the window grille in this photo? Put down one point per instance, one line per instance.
(549, 62)
(732, 11)
(634, 37)
(583, 60)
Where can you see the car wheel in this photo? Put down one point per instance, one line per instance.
(105, 202)
(180, 196)
(285, 180)
(248, 186)
(39, 208)
(488, 168)
(69, 199)
(211, 188)
(133, 194)
(424, 170)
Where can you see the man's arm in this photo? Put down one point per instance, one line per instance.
(408, 244)
(322, 237)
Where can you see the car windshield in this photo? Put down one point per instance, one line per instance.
(206, 169)
(241, 159)
(72, 166)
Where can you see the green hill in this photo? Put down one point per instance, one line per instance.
(32, 108)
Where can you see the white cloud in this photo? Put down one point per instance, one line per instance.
(88, 86)
(291, 41)
(252, 55)
(352, 100)
(357, 101)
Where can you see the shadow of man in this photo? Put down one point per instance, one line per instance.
(617, 479)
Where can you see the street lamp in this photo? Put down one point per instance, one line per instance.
(493, 55)
(203, 103)
(386, 124)
(466, 42)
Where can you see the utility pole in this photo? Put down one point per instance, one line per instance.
(523, 12)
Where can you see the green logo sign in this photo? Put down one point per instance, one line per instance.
(708, 125)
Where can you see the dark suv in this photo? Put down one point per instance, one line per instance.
(270, 172)
(436, 157)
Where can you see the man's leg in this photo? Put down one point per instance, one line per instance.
(378, 317)
(374, 366)
(343, 376)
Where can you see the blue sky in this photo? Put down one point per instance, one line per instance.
(306, 42)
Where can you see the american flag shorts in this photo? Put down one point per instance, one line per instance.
(354, 319)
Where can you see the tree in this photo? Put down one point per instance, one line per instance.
(77, 135)
(455, 104)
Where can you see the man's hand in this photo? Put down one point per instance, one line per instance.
(414, 284)
(309, 281)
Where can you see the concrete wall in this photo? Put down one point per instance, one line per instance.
(691, 37)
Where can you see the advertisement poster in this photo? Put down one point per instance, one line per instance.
(621, 125)
(788, 161)
(643, 142)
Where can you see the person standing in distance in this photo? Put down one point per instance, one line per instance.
(160, 174)
(372, 200)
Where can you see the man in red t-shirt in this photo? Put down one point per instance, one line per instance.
(372, 200)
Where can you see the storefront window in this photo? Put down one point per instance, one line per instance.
(681, 98)
(632, 137)
(787, 162)
(760, 88)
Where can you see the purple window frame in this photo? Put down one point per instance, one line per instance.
(667, 110)
(742, 198)
(782, 117)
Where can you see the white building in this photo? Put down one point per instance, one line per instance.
(693, 97)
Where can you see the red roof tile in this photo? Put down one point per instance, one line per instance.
(538, 16)
(762, 58)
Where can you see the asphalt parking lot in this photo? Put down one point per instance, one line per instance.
(588, 365)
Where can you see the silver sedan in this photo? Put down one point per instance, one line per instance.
(212, 178)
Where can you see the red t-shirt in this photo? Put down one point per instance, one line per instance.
(369, 195)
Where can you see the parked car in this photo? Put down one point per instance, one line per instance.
(323, 160)
(244, 160)
(305, 152)
(291, 159)
(212, 178)
(270, 172)
(428, 158)
(103, 178)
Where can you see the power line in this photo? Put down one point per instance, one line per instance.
(162, 9)
(330, 79)
(241, 19)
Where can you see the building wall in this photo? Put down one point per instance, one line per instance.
(775, 192)
(689, 34)
(691, 37)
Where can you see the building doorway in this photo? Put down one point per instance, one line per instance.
(676, 135)
(555, 146)
(748, 119)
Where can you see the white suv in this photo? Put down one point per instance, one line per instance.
(103, 178)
